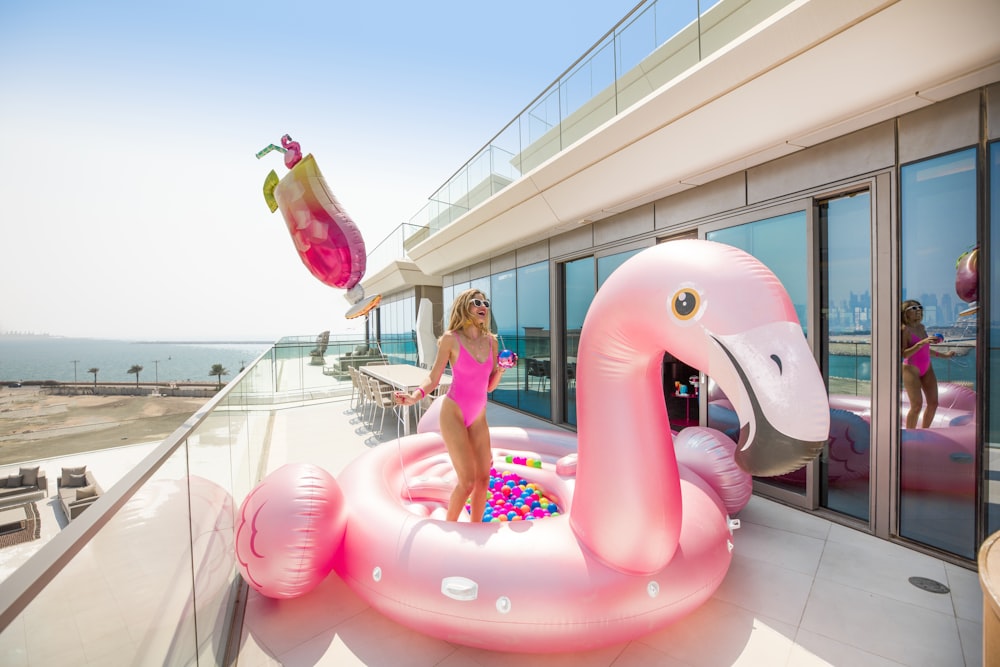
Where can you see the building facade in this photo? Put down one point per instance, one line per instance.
(852, 147)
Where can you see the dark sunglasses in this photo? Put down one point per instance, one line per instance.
(920, 308)
(480, 303)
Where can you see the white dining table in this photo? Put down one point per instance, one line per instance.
(402, 377)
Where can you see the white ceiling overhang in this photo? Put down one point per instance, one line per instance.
(395, 276)
(816, 70)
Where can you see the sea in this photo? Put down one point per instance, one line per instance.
(39, 358)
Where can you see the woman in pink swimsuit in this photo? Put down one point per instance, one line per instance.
(918, 373)
(471, 349)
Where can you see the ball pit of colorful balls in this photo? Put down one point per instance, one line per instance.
(513, 498)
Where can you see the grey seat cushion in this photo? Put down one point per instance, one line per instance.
(66, 478)
(29, 475)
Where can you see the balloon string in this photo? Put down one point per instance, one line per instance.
(399, 451)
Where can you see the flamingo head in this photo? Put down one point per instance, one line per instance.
(720, 310)
(293, 152)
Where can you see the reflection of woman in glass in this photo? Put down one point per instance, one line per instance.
(919, 380)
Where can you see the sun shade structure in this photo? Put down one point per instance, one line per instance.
(363, 307)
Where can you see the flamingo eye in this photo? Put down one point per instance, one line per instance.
(685, 304)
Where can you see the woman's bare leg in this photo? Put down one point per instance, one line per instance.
(459, 442)
(930, 387)
(482, 455)
(912, 385)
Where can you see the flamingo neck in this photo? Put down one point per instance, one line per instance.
(625, 445)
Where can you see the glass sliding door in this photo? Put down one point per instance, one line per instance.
(580, 284)
(607, 264)
(520, 318)
(503, 312)
(533, 344)
(398, 338)
(991, 460)
(581, 280)
(846, 351)
(781, 243)
(938, 443)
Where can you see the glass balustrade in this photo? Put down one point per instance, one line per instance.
(147, 573)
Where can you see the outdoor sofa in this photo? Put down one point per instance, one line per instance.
(361, 356)
(78, 489)
(25, 485)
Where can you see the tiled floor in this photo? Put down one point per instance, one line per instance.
(801, 591)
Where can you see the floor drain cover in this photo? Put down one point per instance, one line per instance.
(929, 585)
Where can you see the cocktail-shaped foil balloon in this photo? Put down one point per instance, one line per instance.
(325, 236)
(507, 359)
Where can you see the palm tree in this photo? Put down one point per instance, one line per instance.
(94, 371)
(136, 369)
(218, 371)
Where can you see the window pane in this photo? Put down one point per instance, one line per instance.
(607, 265)
(580, 290)
(938, 436)
(780, 243)
(533, 325)
(448, 298)
(846, 352)
(503, 311)
(992, 454)
(398, 338)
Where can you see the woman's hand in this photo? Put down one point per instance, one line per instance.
(402, 398)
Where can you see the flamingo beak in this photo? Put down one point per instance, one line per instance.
(773, 382)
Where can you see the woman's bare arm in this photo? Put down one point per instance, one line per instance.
(447, 345)
(497, 370)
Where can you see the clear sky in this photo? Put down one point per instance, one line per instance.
(130, 197)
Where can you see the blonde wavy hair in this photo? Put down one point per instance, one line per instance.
(461, 308)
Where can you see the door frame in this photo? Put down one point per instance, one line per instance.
(884, 260)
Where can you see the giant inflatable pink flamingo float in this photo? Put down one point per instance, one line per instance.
(642, 540)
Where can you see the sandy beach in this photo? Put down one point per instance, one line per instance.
(35, 425)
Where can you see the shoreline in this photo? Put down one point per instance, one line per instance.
(36, 424)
